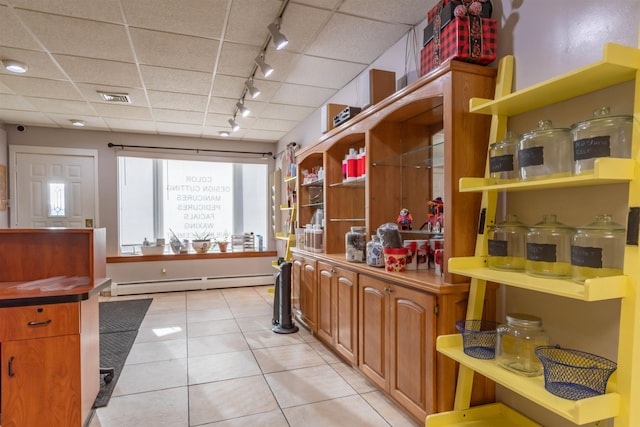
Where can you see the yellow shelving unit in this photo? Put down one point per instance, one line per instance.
(619, 64)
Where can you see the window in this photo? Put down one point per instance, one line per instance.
(191, 199)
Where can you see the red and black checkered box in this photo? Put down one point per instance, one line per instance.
(465, 38)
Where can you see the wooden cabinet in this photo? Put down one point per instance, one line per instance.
(396, 346)
(304, 290)
(49, 351)
(338, 309)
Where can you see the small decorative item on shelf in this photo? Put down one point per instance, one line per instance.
(356, 245)
(435, 216)
(177, 247)
(201, 243)
(574, 374)
(405, 220)
(478, 338)
(222, 242)
(412, 255)
(375, 258)
(395, 259)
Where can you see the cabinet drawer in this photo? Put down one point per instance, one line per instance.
(37, 321)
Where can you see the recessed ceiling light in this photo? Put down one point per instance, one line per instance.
(77, 123)
(224, 133)
(14, 66)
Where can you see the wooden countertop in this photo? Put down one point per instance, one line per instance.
(11, 295)
(425, 280)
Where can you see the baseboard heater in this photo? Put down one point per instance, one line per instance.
(189, 284)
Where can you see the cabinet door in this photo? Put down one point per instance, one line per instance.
(346, 314)
(41, 382)
(373, 318)
(326, 303)
(296, 278)
(412, 356)
(308, 294)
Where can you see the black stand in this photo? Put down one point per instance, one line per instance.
(282, 320)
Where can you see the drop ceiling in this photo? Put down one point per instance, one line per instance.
(184, 63)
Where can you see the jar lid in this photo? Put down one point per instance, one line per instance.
(545, 127)
(603, 222)
(522, 319)
(601, 117)
(509, 138)
(550, 222)
(510, 221)
(358, 229)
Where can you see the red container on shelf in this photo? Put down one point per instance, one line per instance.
(395, 259)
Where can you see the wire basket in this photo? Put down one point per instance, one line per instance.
(478, 338)
(574, 374)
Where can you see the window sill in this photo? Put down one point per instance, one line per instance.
(189, 256)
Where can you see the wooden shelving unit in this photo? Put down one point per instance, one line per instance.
(619, 64)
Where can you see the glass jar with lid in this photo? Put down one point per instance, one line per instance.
(503, 159)
(548, 248)
(375, 257)
(517, 341)
(602, 136)
(545, 152)
(356, 244)
(507, 244)
(597, 249)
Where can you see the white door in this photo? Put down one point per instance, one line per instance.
(53, 187)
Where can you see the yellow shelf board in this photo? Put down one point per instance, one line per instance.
(607, 170)
(287, 208)
(491, 415)
(577, 411)
(275, 265)
(290, 178)
(619, 64)
(290, 237)
(597, 289)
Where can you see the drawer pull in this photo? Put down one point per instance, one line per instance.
(42, 323)
(11, 373)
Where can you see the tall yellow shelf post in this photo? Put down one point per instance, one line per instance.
(622, 400)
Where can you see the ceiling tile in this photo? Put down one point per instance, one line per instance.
(237, 59)
(62, 106)
(130, 125)
(281, 61)
(174, 51)
(301, 24)
(33, 118)
(249, 19)
(123, 111)
(286, 112)
(103, 10)
(401, 12)
(314, 71)
(177, 101)
(263, 135)
(228, 86)
(16, 102)
(172, 80)
(176, 116)
(12, 33)
(64, 120)
(79, 37)
(218, 120)
(40, 64)
(307, 96)
(100, 71)
(352, 34)
(325, 4)
(43, 88)
(179, 129)
(203, 18)
(219, 105)
(274, 125)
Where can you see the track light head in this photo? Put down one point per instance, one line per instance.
(264, 67)
(242, 109)
(279, 39)
(234, 125)
(253, 91)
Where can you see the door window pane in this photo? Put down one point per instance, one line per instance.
(57, 200)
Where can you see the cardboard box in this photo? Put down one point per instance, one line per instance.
(466, 38)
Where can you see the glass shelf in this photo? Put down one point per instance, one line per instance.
(423, 233)
(423, 157)
(346, 219)
(312, 205)
(578, 411)
(318, 183)
(359, 182)
(597, 289)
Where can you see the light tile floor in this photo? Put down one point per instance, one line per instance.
(209, 358)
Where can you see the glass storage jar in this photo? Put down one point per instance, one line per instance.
(545, 152)
(506, 244)
(356, 244)
(318, 241)
(602, 136)
(548, 248)
(597, 249)
(517, 341)
(375, 257)
(503, 159)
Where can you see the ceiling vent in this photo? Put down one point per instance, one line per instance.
(115, 97)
